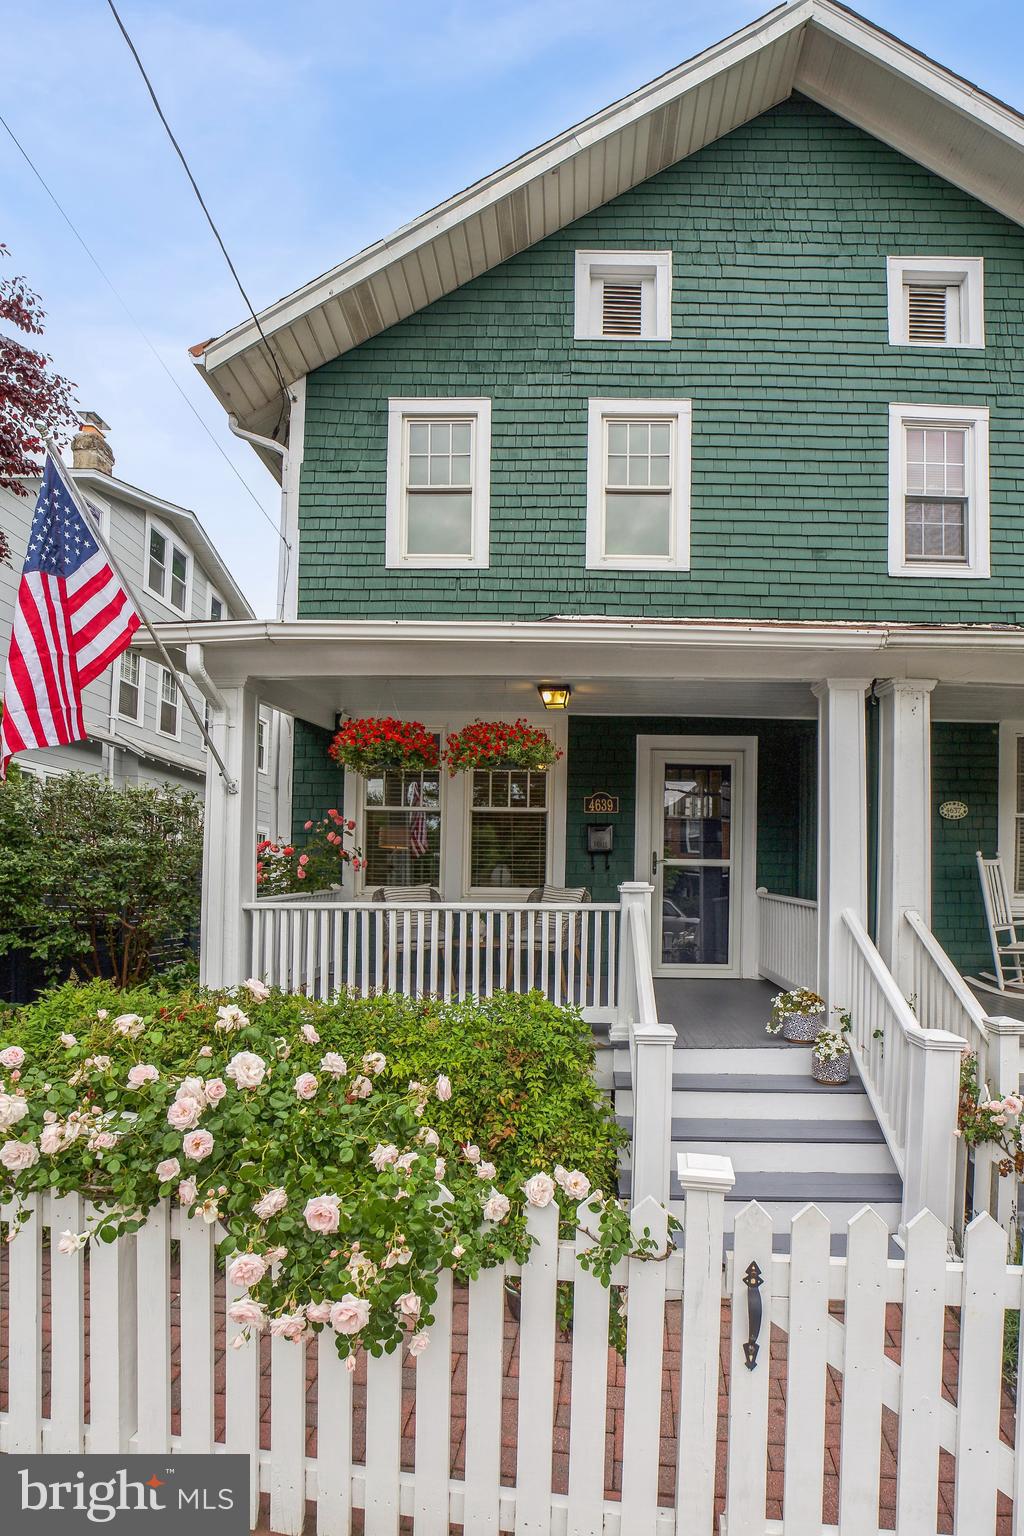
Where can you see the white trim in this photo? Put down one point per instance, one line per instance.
(679, 414)
(400, 412)
(291, 480)
(174, 541)
(975, 420)
(742, 751)
(653, 268)
(140, 716)
(967, 273)
(168, 735)
(211, 593)
(1009, 731)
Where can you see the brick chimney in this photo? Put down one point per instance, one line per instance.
(89, 446)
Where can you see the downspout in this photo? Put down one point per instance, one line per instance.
(271, 445)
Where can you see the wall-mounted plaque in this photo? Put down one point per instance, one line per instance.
(600, 803)
(952, 810)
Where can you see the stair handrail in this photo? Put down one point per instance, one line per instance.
(651, 1044)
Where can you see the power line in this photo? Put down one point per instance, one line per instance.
(209, 217)
(67, 220)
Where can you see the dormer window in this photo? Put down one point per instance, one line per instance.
(623, 296)
(936, 301)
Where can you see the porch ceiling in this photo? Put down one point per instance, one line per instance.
(722, 667)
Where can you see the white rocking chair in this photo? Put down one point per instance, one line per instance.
(1007, 948)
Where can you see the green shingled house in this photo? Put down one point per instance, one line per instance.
(707, 416)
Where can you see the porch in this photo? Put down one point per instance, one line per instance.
(768, 812)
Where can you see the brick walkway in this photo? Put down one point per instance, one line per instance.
(615, 1404)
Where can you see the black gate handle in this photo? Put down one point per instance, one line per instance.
(753, 1280)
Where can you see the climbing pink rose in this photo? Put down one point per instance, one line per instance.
(361, 1087)
(183, 1114)
(102, 1141)
(197, 1145)
(333, 1064)
(12, 1109)
(168, 1170)
(575, 1184)
(350, 1315)
(309, 1034)
(539, 1190)
(51, 1140)
(318, 1311)
(12, 1056)
(306, 1085)
(471, 1153)
(290, 1326)
(418, 1343)
(321, 1213)
(141, 1073)
(383, 1155)
(17, 1155)
(269, 1204)
(247, 1069)
(248, 1313)
(215, 1088)
(257, 990)
(247, 1269)
(440, 1168)
(497, 1207)
(373, 1062)
(485, 1171)
(443, 1088)
(187, 1192)
(408, 1307)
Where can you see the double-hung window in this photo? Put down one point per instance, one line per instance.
(402, 828)
(216, 605)
(168, 568)
(938, 491)
(508, 842)
(638, 485)
(169, 706)
(262, 739)
(130, 687)
(438, 483)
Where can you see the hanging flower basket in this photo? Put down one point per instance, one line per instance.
(797, 1016)
(497, 744)
(382, 742)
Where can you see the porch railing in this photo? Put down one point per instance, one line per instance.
(452, 950)
(787, 939)
(651, 1047)
(911, 1075)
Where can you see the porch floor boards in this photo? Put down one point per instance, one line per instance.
(710, 1013)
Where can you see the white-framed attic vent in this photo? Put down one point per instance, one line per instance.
(623, 296)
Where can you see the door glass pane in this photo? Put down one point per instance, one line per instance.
(698, 803)
(695, 916)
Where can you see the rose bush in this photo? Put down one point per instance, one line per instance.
(350, 1151)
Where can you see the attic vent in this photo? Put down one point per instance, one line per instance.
(621, 309)
(926, 312)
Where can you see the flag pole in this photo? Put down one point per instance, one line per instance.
(90, 522)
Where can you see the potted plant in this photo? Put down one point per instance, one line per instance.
(497, 744)
(382, 742)
(797, 1016)
(830, 1057)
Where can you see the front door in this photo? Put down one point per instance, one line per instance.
(694, 846)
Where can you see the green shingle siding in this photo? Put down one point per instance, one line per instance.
(317, 782)
(965, 766)
(779, 234)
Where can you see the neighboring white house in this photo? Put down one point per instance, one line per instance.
(140, 729)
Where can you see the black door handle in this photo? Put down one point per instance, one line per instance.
(753, 1280)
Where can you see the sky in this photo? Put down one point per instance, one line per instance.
(313, 127)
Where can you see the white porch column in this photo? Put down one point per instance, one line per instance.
(229, 842)
(842, 817)
(904, 811)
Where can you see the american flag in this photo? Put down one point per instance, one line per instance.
(417, 822)
(71, 619)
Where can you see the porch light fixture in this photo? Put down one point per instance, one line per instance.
(554, 695)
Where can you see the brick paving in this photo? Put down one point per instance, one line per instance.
(561, 1408)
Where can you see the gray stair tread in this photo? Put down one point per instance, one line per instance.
(774, 1131)
(747, 1082)
(867, 1188)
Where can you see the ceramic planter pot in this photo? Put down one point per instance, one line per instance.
(801, 1028)
(833, 1072)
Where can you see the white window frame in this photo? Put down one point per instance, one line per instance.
(974, 419)
(1009, 733)
(508, 892)
(175, 543)
(262, 757)
(168, 735)
(679, 414)
(653, 268)
(139, 716)
(211, 595)
(400, 413)
(964, 272)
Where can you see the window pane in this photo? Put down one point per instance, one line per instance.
(403, 829)
(617, 469)
(157, 552)
(440, 437)
(695, 916)
(639, 470)
(508, 848)
(419, 437)
(216, 608)
(128, 700)
(660, 465)
(460, 469)
(617, 437)
(460, 436)
(439, 524)
(660, 436)
(936, 530)
(636, 525)
(639, 437)
(419, 470)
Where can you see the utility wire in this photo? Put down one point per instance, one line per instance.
(209, 217)
(67, 220)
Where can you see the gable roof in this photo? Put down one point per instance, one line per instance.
(817, 47)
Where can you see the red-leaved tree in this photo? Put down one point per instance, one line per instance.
(33, 398)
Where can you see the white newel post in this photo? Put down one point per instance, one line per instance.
(904, 813)
(932, 1098)
(706, 1180)
(229, 842)
(632, 893)
(842, 820)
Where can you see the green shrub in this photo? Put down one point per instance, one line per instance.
(421, 1150)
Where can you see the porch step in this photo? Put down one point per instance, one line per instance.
(848, 1132)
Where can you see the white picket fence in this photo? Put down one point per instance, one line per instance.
(833, 1343)
(787, 940)
(455, 949)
